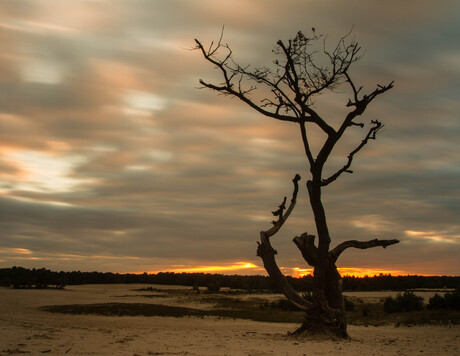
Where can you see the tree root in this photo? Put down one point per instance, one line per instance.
(322, 326)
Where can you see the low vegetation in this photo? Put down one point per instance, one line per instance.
(403, 303)
(266, 308)
(143, 309)
(450, 301)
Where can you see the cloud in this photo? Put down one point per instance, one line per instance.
(112, 159)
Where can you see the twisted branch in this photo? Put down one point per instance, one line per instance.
(335, 253)
(267, 253)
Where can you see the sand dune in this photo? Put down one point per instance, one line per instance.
(25, 329)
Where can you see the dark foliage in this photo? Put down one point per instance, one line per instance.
(19, 277)
(225, 305)
(403, 303)
(282, 304)
(391, 305)
(213, 287)
(349, 305)
(448, 301)
(134, 309)
(399, 283)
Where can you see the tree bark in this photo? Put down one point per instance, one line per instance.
(335, 253)
(327, 315)
(267, 253)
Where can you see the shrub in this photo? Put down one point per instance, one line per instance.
(453, 299)
(450, 300)
(390, 305)
(213, 287)
(410, 301)
(436, 302)
(403, 303)
(283, 304)
(349, 305)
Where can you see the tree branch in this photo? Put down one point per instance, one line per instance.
(267, 253)
(360, 106)
(283, 217)
(227, 87)
(306, 144)
(293, 98)
(371, 135)
(335, 253)
(366, 99)
(306, 245)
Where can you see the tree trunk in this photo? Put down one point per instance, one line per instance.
(325, 312)
(327, 315)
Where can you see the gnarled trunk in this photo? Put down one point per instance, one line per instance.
(327, 314)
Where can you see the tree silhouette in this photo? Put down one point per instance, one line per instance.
(303, 69)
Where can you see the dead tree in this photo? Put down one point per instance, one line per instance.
(304, 68)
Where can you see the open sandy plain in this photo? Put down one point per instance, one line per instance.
(25, 329)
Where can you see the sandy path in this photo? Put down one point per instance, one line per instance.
(25, 329)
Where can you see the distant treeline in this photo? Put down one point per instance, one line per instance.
(19, 277)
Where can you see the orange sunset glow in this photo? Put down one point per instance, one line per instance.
(250, 268)
(238, 266)
(352, 272)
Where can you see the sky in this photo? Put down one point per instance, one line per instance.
(113, 159)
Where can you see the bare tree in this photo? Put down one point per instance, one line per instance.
(303, 69)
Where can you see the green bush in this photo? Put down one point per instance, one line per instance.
(403, 303)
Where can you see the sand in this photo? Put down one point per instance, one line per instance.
(25, 329)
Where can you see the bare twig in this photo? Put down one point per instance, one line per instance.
(377, 125)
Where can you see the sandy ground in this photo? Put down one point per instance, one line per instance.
(24, 329)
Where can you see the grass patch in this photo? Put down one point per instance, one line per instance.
(260, 309)
(136, 309)
(429, 317)
(124, 309)
(374, 314)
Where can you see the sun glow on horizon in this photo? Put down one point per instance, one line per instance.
(212, 269)
(351, 272)
(250, 268)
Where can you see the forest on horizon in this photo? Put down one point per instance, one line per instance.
(20, 277)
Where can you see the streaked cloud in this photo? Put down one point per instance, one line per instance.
(434, 236)
(112, 159)
(41, 172)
